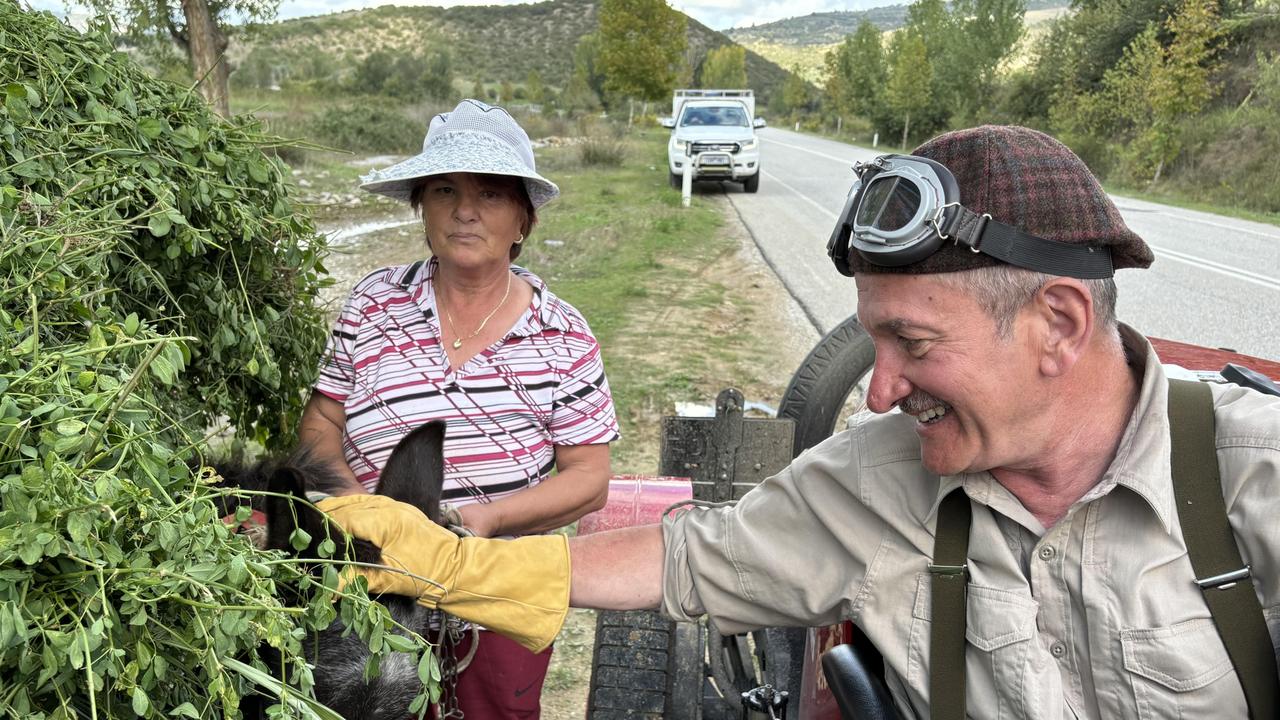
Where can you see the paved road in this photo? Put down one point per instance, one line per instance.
(1216, 280)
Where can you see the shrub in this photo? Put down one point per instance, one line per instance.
(366, 127)
(601, 151)
(155, 279)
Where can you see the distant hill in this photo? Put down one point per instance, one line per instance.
(492, 43)
(803, 42)
(828, 28)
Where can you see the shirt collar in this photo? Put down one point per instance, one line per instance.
(1142, 459)
(1141, 463)
(545, 303)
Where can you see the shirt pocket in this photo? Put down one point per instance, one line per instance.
(1000, 680)
(1182, 670)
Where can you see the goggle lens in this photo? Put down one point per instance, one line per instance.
(888, 204)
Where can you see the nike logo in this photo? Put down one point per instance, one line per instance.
(526, 689)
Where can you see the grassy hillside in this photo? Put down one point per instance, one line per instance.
(804, 41)
(831, 27)
(489, 44)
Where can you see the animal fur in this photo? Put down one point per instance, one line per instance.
(414, 474)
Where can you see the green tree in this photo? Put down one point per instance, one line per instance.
(856, 72)
(410, 77)
(640, 47)
(586, 62)
(196, 26)
(795, 91)
(930, 23)
(373, 72)
(1153, 87)
(985, 32)
(477, 90)
(579, 95)
(910, 79)
(725, 67)
(534, 88)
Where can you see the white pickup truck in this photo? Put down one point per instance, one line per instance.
(713, 136)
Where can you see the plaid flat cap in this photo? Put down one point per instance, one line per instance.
(1023, 178)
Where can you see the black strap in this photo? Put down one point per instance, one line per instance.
(949, 575)
(1211, 546)
(1009, 244)
(1221, 574)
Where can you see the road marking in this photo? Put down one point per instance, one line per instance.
(1189, 218)
(1199, 262)
(775, 179)
(1231, 272)
(843, 161)
(1224, 226)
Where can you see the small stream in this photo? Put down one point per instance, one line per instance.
(358, 248)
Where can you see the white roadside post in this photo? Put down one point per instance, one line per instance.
(686, 180)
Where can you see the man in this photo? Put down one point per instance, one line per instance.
(983, 269)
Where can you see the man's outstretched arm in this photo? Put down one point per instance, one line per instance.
(618, 569)
(521, 588)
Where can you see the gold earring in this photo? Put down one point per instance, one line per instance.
(520, 239)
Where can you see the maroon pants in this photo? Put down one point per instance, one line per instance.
(503, 681)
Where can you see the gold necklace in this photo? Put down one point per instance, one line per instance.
(457, 341)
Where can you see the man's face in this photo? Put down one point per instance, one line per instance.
(939, 358)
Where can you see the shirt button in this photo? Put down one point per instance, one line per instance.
(1058, 649)
(1047, 552)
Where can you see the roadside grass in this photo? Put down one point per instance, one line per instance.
(620, 248)
(1180, 200)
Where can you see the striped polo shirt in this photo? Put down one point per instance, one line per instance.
(506, 409)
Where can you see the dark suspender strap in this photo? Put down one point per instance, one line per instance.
(1221, 574)
(949, 575)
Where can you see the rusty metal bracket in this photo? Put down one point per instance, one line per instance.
(727, 455)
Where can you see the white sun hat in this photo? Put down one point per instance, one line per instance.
(473, 138)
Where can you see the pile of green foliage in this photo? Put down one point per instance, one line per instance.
(155, 281)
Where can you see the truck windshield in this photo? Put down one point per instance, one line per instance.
(732, 116)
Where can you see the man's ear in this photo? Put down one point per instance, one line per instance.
(1065, 307)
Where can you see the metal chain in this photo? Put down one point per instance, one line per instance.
(451, 632)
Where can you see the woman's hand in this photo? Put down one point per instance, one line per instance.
(580, 486)
(481, 518)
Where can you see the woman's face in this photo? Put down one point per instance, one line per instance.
(472, 220)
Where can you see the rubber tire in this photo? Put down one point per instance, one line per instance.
(676, 180)
(819, 387)
(814, 400)
(646, 666)
(752, 183)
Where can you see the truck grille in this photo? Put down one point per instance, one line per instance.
(729, 147)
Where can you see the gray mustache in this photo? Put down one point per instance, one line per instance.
(917, 402)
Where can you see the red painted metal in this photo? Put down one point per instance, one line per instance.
(816, 700)
(636, 500)
(1199, 358)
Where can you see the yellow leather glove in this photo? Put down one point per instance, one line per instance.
(518, 588)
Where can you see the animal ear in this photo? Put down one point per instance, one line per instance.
(415, 471)
(284, 515)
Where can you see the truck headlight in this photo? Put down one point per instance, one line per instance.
(749, 144)
(678, 145)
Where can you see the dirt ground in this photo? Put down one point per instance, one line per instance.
(780, 337)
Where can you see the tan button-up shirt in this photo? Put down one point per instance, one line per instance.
(1096, 617)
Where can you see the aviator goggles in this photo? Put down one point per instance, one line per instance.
(903, 208)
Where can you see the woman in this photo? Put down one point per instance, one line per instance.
(471, 339)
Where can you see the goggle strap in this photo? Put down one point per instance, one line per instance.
(1009, 244)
